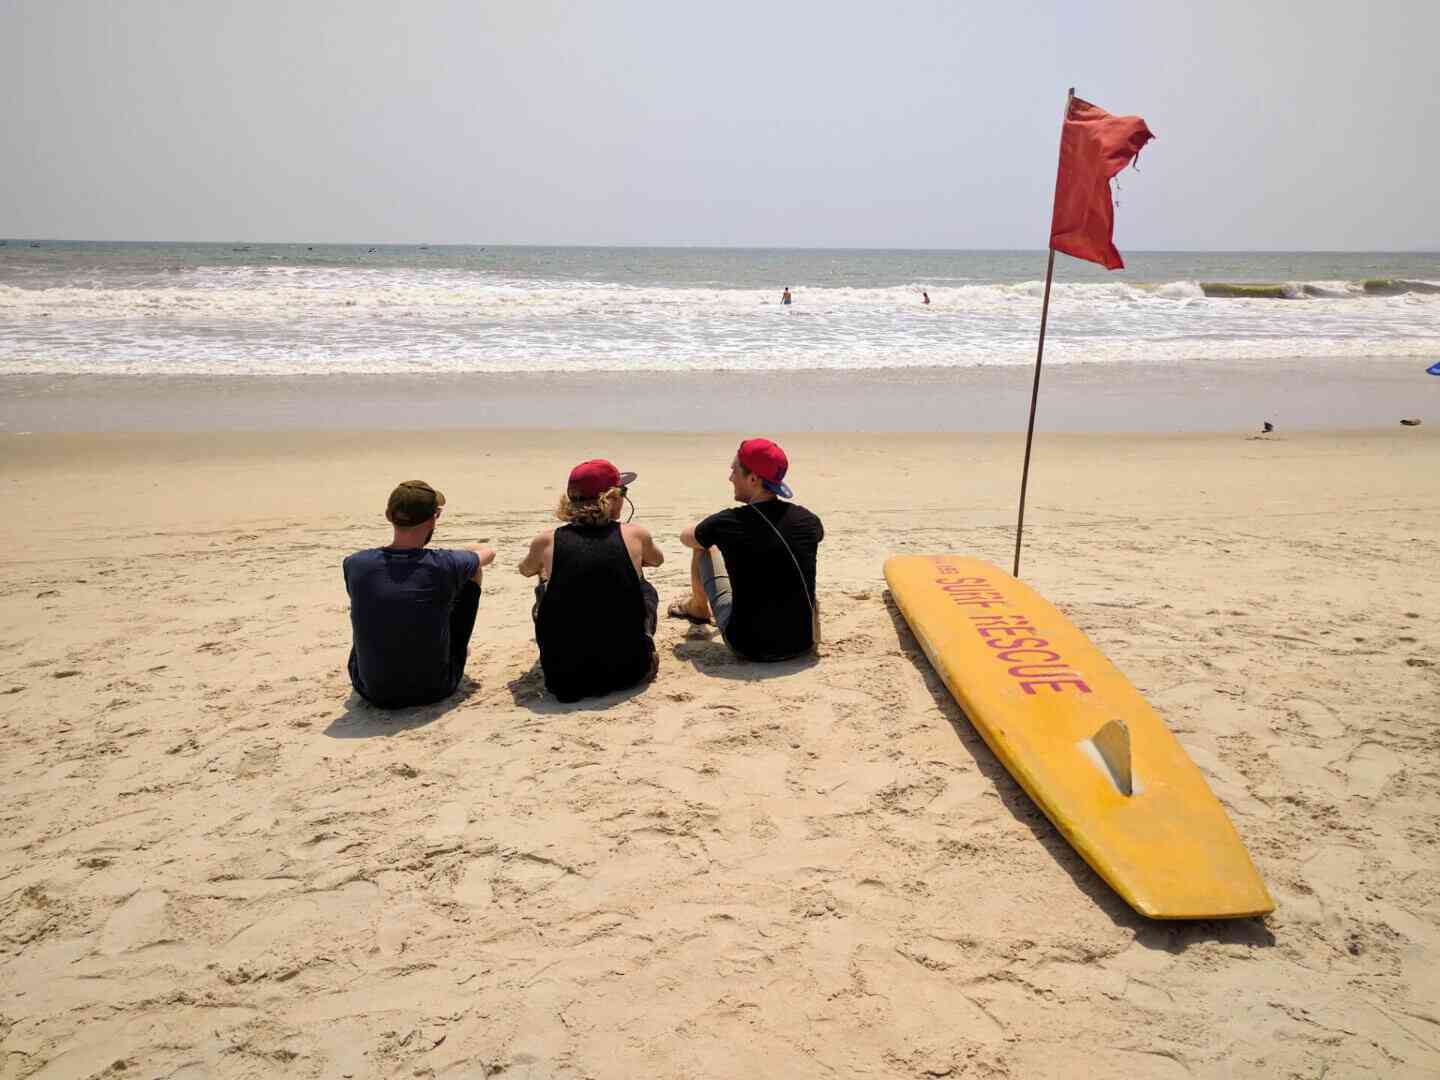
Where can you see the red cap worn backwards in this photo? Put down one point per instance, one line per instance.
(591, 479)
(767, 461)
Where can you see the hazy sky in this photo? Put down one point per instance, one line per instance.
(1309, 124)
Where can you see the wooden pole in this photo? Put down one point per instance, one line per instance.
(1039, 358)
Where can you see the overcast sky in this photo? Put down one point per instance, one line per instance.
(1281, 124)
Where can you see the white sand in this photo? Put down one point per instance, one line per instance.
(214, 862)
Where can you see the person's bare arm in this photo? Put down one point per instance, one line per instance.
(534, 561)
(687, 537)
(487, 556)
(650, 555)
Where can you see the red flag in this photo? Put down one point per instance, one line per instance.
(1094, 146)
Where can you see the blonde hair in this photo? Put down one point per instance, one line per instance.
(596, 511)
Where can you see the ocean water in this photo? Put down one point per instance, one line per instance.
(296, 309)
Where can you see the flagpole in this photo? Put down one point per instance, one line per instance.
(1039, 358)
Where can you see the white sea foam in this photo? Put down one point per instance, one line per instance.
(297, 319)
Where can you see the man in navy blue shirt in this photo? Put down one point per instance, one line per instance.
(412, 608)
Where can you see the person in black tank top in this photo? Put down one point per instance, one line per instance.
(594, 610)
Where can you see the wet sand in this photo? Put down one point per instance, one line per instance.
(1311, 394)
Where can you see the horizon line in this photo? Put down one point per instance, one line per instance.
(719, 245)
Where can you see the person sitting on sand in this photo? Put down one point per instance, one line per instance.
(594, 611)
(753, 567)
(412, 608)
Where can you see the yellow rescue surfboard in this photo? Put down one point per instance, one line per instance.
(1080, 739)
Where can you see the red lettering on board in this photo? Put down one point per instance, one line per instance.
(1011, 656)
(1054, 684)
(1019, 621)
(1034, 661)
(1041, 671)
(1018, 642)
(991, 631)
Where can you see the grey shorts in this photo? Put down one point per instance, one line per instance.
(716, 581)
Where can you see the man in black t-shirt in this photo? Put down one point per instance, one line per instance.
(412, 608)
(753, 566)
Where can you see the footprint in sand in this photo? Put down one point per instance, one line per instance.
(141, 920)
(475, 888)
(449, 823)
(1319, 720)
(1369, 768)
(522, 876)
(258, 760)
(890, 975)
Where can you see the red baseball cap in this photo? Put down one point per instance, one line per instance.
(766, 460)
(591, 479)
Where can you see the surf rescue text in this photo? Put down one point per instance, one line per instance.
(1033, 663)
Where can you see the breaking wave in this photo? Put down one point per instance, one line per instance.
(1308, 290)
(261, 319)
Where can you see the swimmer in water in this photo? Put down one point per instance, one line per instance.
(785, 296)
(926, 296)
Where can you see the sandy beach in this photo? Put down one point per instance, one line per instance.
(216, 862)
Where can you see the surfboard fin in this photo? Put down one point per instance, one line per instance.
(1112, 744)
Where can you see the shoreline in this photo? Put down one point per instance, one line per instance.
(1314, 394)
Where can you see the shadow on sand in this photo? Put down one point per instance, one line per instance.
(528, 692)
(705, 650)
(1170, 936)
(361, 720)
